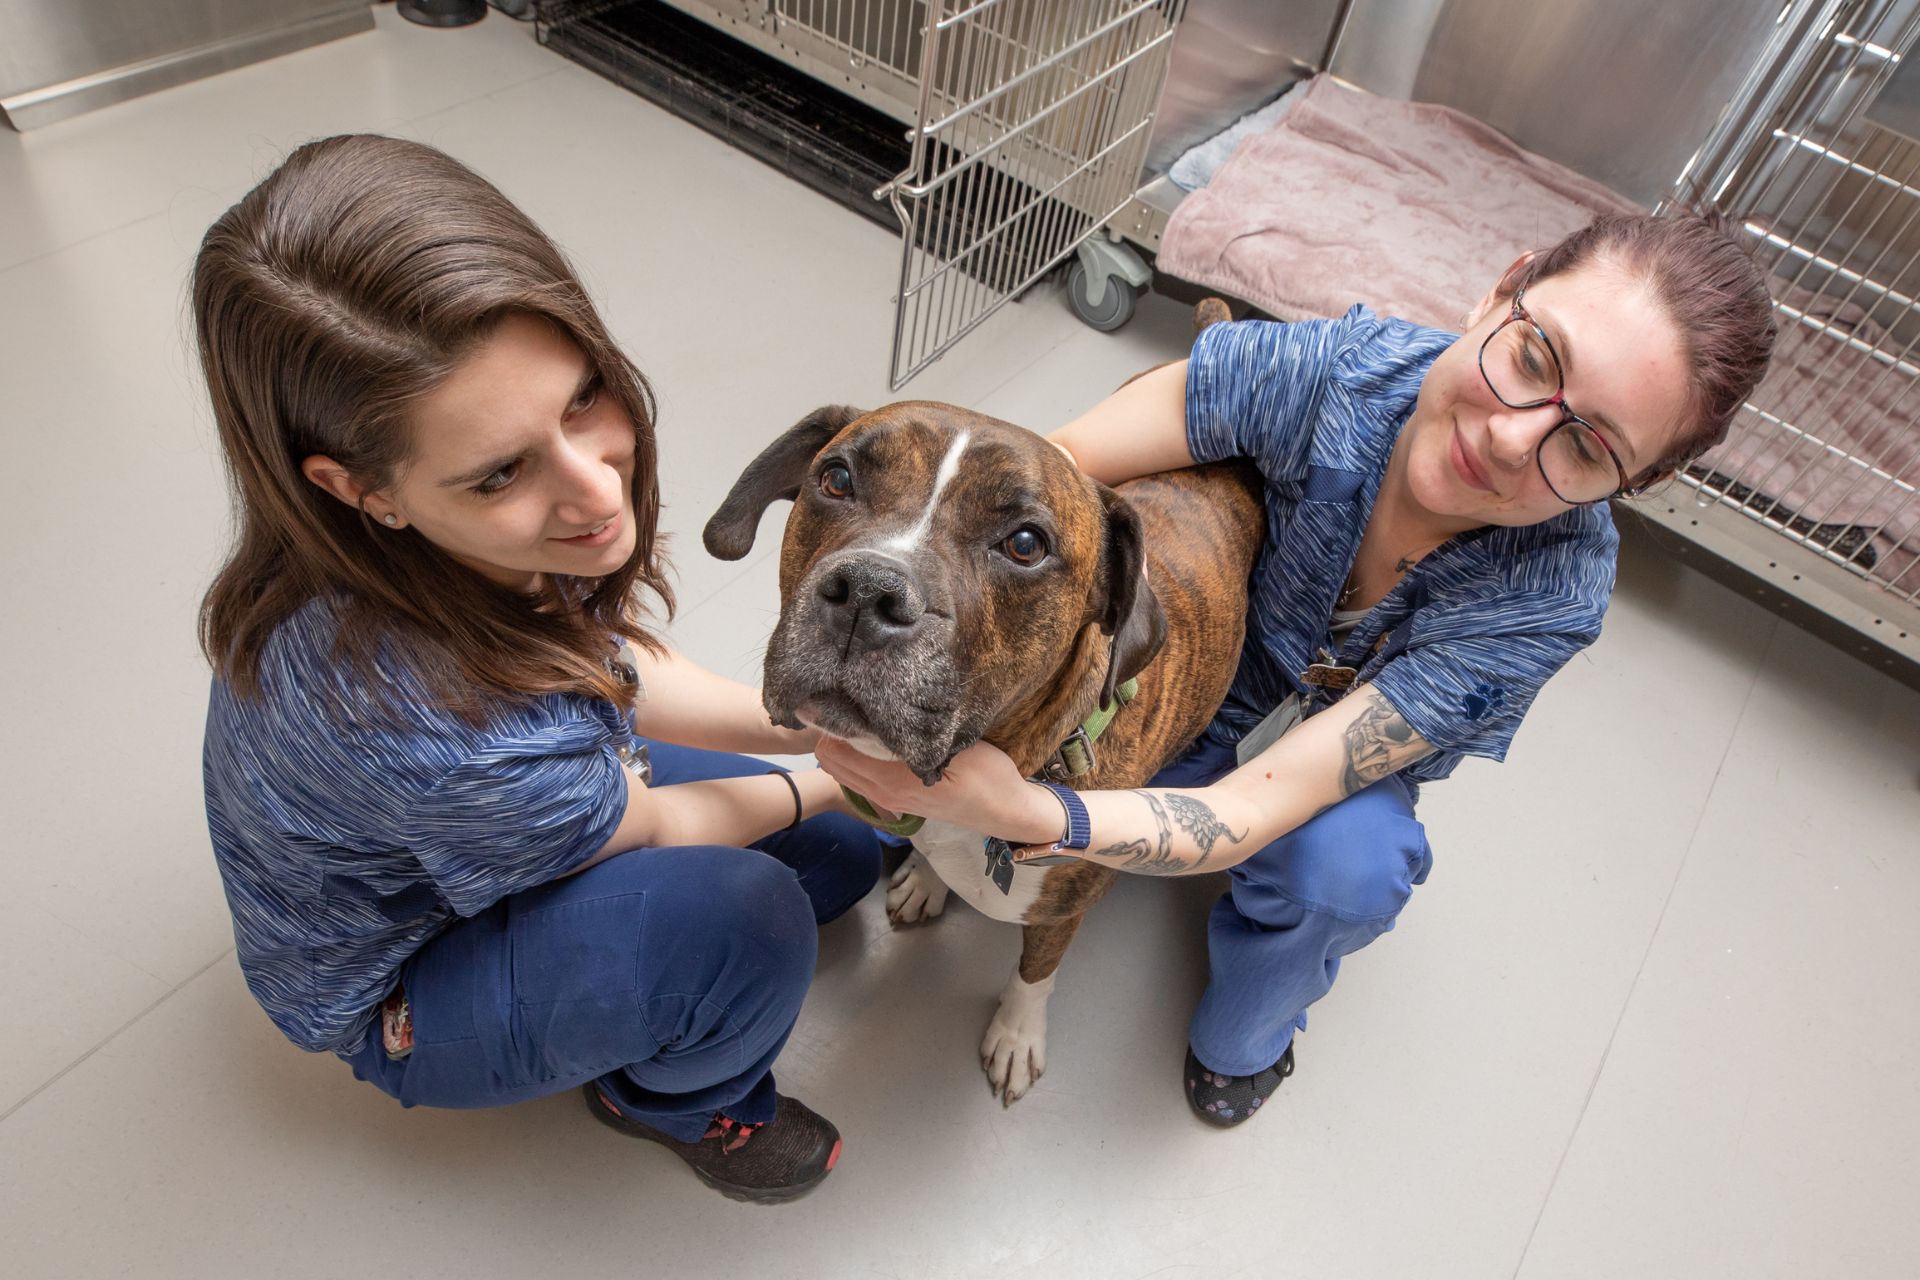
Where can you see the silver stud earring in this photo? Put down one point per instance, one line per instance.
(391, 520)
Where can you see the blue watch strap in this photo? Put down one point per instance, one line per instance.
(1079, 832)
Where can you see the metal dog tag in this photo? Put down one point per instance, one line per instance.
(639, 763)
(624, 667)
(1000, 863)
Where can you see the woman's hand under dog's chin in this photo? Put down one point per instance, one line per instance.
(981, 790)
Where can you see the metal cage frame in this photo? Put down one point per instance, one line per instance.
(1830, 202)
(1028, 125)
(1033, 126)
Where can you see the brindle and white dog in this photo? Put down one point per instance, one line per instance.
(947, 578)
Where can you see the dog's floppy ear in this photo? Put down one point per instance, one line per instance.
(1131, 613)
(776, 473)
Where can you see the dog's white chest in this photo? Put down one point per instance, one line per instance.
(959, 857)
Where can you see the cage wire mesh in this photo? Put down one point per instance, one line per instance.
(867, 33)
(1033, 128)
(1827, 451)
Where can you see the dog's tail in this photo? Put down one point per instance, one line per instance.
(1210, 311)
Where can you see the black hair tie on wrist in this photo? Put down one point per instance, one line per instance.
(798, 808)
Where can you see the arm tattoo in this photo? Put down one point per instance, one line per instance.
(1141, 855)
(1156, 857)
(1379, 742)
(1132, 850)
(1198, 820)
(1155, 863)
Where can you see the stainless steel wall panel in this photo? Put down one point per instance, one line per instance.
(60, 57)
(1623, 91)
(1384, 45)
(1230, 57)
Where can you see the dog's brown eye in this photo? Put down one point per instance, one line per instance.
(1025, 545)
(836, 481)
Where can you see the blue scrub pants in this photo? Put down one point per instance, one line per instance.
(1322, 891)
(673, 976)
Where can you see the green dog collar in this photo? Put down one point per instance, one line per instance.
(904, 825)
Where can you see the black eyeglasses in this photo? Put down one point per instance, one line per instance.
(1523, 372)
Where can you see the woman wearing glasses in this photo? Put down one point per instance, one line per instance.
(1438, 545)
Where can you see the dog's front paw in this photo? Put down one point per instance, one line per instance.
(915, 893)
(1014, 1052)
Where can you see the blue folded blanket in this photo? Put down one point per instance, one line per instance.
(1196, 167)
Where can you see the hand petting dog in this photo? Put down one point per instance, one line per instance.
(981, 788)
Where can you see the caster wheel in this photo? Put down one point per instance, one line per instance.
(1116, 305)
(443, 13)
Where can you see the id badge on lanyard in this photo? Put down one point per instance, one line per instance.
(1325, 679)
(1270, 730)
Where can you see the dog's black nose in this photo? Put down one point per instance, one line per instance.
(869, 600)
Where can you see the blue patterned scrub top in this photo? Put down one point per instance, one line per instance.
(1467, 638)
(347, 837)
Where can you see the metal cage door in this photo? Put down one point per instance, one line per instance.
(1033, 127)
(1816, 166)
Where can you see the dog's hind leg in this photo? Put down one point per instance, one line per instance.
(1014, 1051)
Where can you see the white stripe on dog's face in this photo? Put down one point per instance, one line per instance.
(949, 467)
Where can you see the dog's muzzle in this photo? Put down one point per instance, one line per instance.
(866, 600)
(862, 652)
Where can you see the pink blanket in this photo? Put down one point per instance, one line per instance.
(1412, 209)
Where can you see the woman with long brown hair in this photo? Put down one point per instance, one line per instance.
(471, 813)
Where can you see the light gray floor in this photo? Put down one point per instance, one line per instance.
(1653, 1014)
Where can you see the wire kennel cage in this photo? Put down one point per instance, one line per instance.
(1032, 132)
(1817, 162)
(1027, 124)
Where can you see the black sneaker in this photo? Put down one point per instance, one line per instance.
(782, 1159)
(1225, 1101)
